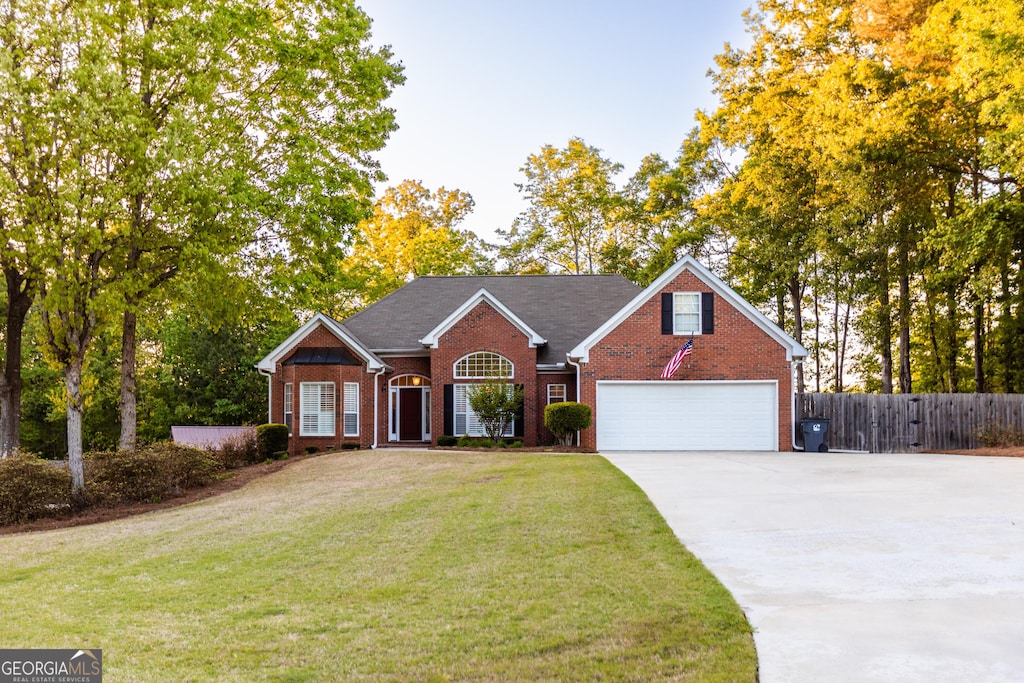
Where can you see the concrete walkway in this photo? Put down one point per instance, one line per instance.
(858, 567)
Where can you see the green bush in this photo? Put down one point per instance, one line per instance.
(271, 438)
(350, 446)
(239, 451)
(998, 435)
(150, 474)
(447, 440)
(310, 450)
(281, 455)
(31, 488)
(565, 419)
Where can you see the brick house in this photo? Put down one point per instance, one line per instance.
(398, 371)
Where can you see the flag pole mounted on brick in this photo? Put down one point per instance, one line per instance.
(677, 360)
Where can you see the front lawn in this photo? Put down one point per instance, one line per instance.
(385, 565)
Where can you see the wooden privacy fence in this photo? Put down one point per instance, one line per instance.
(892, 423)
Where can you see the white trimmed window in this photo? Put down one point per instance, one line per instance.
(466, 421)
(288, 406)
(686, 313)
(351, 408)
(556, 393)
(483, 365)
(317, 417)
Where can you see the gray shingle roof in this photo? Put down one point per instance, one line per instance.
(564, 309)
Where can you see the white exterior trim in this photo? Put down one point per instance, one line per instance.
(269, 363)
(433, 337)
(794, 350)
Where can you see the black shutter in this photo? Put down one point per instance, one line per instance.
(519, 427)
(449, 410)
(666, 313)
(707, 313)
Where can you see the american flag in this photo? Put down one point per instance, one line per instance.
(677, 360)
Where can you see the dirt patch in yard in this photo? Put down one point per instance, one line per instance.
(998, 451)
(234, 480)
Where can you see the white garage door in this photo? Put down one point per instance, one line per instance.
(687, 416)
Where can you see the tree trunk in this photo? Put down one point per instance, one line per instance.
(906, 386)
(980, 386)
(796, 297)
(885, 335)
(75, 410)
(128, 405)
(20, 293)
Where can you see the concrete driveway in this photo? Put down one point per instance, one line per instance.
(858, 567)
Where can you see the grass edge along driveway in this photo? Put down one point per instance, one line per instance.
(386, 565)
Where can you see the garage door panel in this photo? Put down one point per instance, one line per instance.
(687, 416)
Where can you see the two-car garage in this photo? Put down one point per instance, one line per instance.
(687, 415)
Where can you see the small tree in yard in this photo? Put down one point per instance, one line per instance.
(565, 419)
(496, 402)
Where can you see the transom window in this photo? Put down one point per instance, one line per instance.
(483, 365)
(686, 313)
(410, 381)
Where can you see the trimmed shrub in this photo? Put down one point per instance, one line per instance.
(447, 440)
(239, 451)
(310, 450)
(150, 474)
(998, 435)
(350, 446)
(565, 419)
(271, 438)
(31, 487)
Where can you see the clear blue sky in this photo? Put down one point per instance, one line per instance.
(489, 83)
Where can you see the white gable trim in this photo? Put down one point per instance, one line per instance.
(269, 363)
(434, 336)
(794, 350)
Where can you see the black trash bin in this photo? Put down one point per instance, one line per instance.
(815, 435)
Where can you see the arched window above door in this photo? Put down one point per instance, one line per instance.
(484, 365)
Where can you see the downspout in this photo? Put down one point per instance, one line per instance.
(270, 393)
(792, 409)
(579, 390)
(376, 412)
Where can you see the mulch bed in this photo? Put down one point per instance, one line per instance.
(997, 451)
(234, 480)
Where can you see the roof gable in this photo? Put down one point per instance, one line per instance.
(269, 362)
(561, 309)
(581, 352)
(433, 336)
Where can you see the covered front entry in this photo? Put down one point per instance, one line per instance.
(687, 416)
(409, 408)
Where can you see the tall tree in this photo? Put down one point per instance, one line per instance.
(414, 232)
(572, 213)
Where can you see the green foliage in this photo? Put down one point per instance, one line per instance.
(31, 488)
(239, 451)
(573, 202)
(1000, 436)
(414, 232)
(149, 474)
(350, 446)
(447, 440)
(466, 441)
(271, 438)
(566, 418)
(496, 403)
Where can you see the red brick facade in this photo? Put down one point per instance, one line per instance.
(485, 329)
(738, 349)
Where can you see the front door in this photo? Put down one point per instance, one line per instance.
(410, 414)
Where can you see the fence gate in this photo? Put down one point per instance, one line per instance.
(894, 423)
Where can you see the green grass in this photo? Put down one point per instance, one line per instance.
(385, 566)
